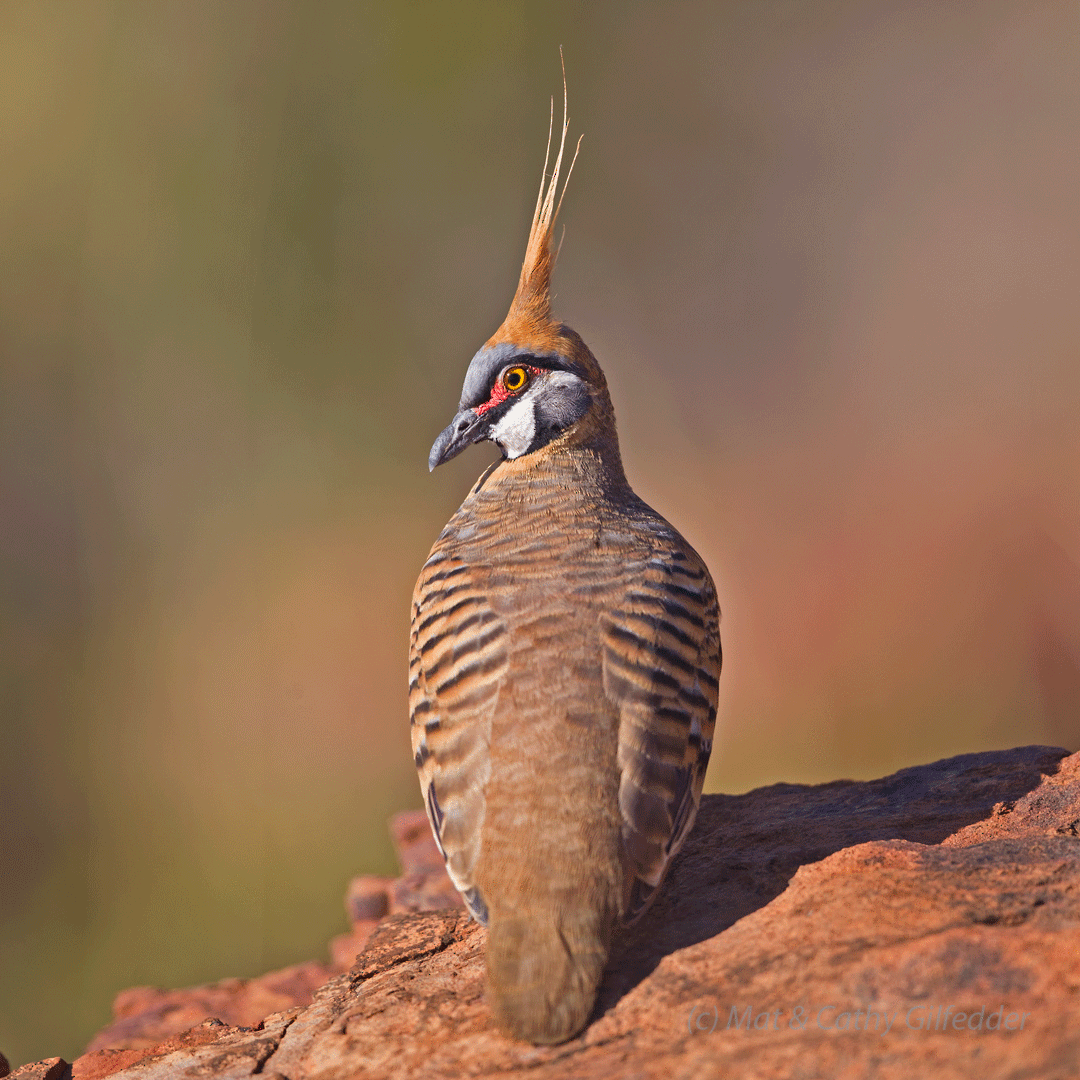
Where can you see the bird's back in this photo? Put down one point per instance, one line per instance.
(564, 659)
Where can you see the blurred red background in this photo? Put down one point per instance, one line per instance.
(827, 253)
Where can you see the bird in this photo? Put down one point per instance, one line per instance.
(564, 665)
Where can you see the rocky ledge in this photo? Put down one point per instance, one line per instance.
(924, 924)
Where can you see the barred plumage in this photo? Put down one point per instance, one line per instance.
(564, 664)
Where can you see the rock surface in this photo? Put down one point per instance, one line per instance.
(144, 1016)
(924, 924)
(49, 1069)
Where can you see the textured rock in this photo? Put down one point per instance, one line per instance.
(896, 927)
(423, 886)
(49, 1069)
(925, 924)
(1051, 809)
(99, 1063)
(146, 1016)
(213, 1049)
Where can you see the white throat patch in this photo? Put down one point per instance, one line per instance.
(515, 432)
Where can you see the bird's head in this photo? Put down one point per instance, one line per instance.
(535, 384)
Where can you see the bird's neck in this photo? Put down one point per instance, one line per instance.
(590, 468)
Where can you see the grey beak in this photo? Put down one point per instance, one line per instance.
(465, 429)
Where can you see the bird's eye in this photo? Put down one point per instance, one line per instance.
(515, 378)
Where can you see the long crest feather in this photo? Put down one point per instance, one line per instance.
(530, 311)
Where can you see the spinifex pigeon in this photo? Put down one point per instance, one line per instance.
(563, 668)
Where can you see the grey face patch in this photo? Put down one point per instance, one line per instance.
(562, 401)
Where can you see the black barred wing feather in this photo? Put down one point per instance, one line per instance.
(662, 667)
(457, 660)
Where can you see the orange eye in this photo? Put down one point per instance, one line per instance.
(515, 378)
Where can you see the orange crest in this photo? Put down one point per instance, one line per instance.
(529, 324)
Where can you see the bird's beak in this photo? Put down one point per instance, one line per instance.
(465, 429)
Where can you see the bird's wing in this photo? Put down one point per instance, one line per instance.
(457, 660)
(661, 663)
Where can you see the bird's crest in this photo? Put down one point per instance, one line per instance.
(529, 322)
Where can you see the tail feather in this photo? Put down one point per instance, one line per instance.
(543, 973)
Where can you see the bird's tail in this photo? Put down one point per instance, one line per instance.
(543, 972)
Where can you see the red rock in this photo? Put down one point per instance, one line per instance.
(368, 898)
(106, 1062)
(424, 892)
(49, 1069)
(99, 1063)
(424, 884)
(830, 931)
(346, 947)
(212, 1049)
(417, 851)
(146, 1016)
(1051, 809)
(889, 926)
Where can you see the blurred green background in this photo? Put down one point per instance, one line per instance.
(827, 252)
